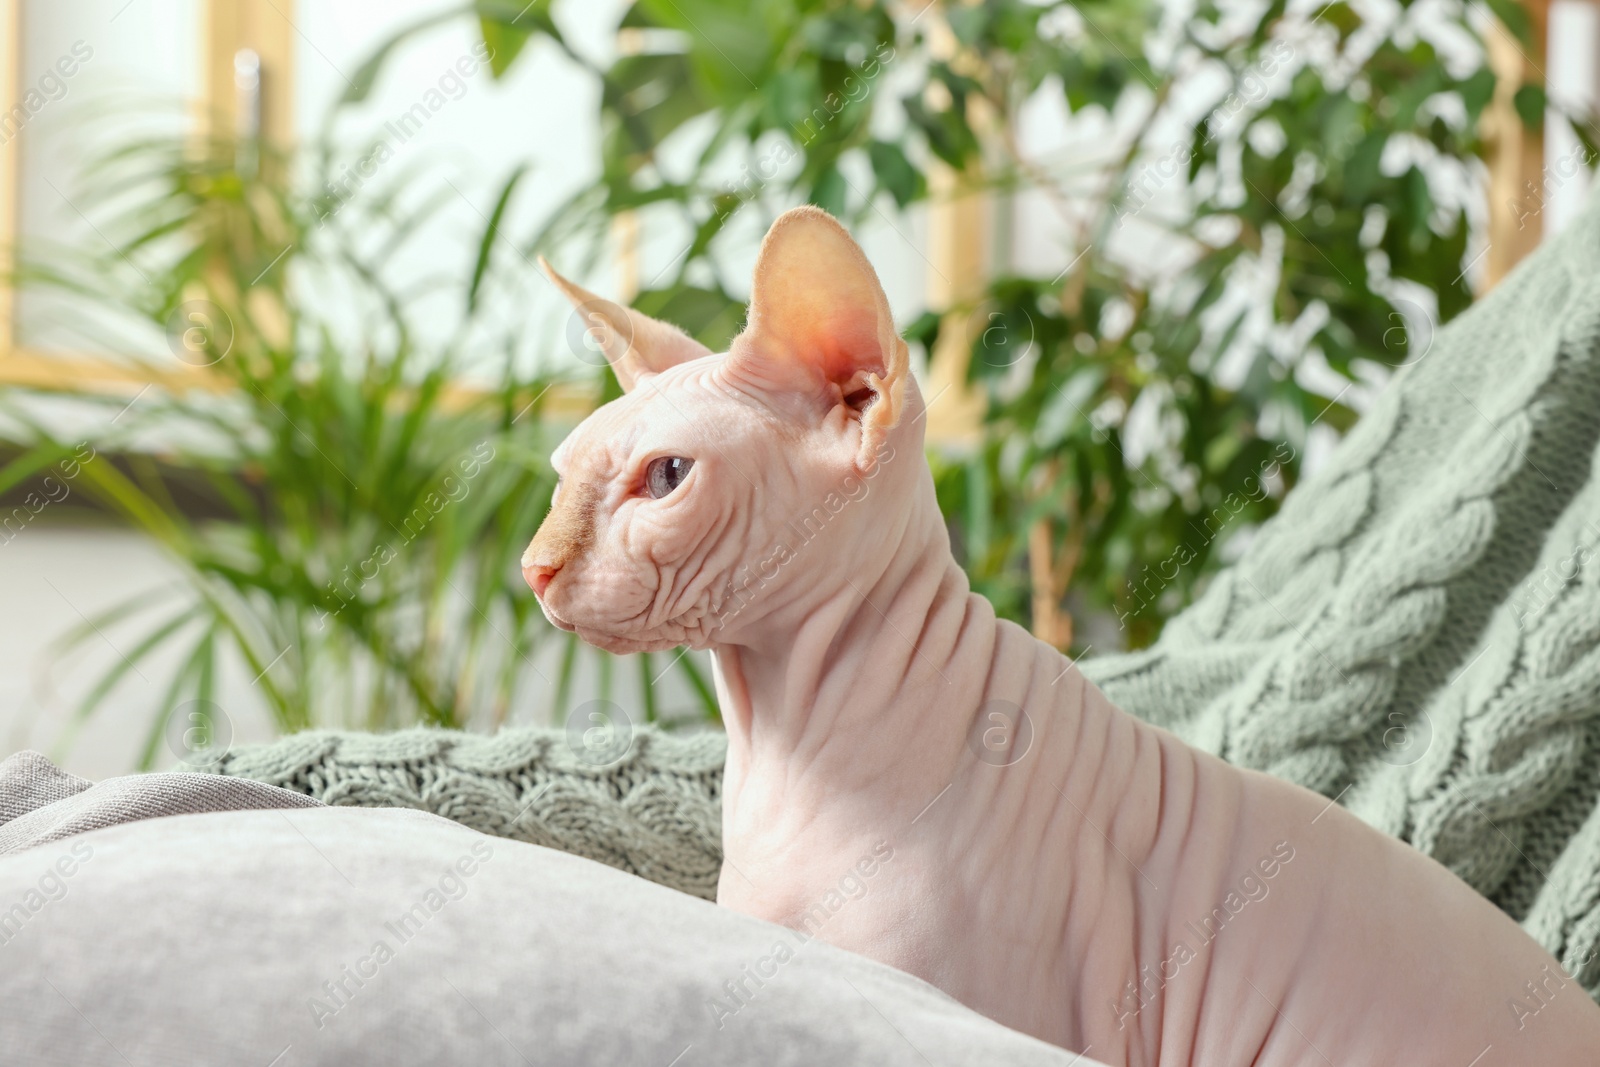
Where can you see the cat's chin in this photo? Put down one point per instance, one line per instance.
(615, 643)
(626, 646)
(559, 623)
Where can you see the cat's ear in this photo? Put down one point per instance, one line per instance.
(819, 322)
(634, 344)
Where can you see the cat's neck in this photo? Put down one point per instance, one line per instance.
(876, 663)
(893, 717)
(890, 671)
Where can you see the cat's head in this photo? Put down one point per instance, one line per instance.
(725, 489)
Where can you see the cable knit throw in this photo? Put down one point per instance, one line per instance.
(1416, 634)
(656, 812)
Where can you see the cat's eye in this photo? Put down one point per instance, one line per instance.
(666, 474)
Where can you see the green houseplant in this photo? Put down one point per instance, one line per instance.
(346, 506)
(1296, 162)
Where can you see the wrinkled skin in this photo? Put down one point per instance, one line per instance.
(1086, 878)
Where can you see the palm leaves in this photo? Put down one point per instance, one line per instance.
(353, 500)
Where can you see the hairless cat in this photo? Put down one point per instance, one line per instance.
(1019, 842)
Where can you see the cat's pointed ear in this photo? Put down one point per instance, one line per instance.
(634, 344)
(820, 322)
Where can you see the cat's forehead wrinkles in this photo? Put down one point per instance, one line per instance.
(598, 449)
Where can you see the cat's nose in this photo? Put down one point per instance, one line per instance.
(538, 576)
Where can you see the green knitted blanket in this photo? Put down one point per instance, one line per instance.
(1416, 634)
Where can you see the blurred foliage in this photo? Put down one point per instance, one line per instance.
(1296, 166)
(347, 512)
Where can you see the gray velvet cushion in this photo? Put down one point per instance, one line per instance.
(39, 802)
(350, 936)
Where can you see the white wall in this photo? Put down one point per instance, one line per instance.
(136, 62)
(1573, 69)
(52, 577)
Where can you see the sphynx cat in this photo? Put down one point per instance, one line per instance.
(1018, 841)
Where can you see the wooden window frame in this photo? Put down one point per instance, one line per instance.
(226, 27)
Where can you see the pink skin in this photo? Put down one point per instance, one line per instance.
(1049, 887)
